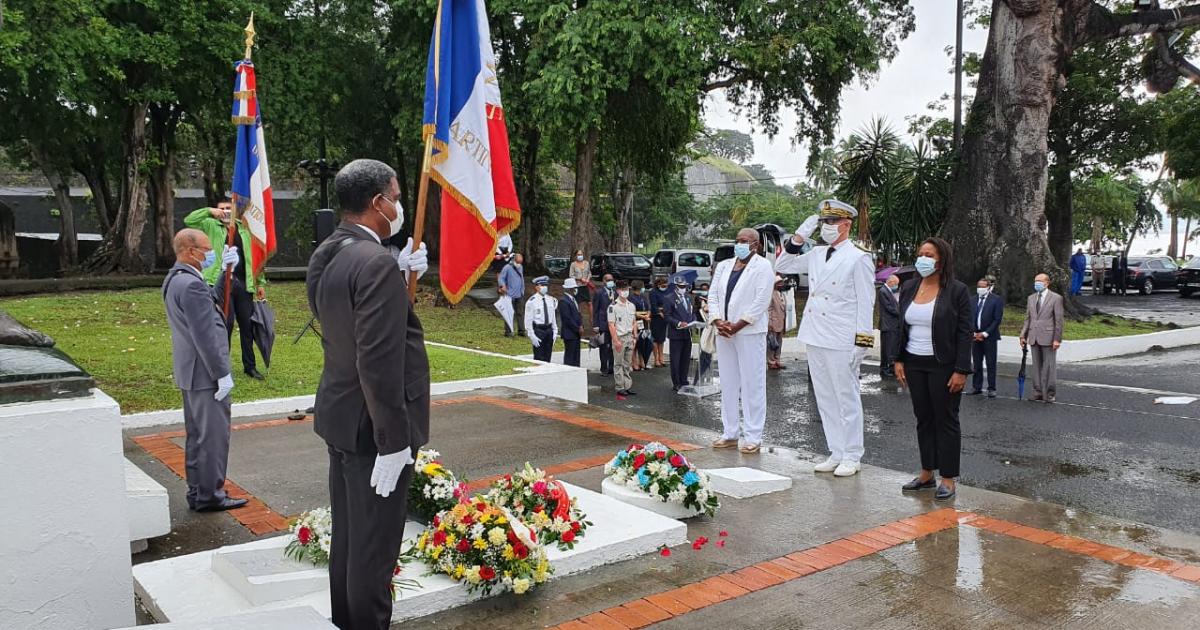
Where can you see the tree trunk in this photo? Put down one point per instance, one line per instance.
(1173, 247)
(623, 200)
(1187, 236)
(1060, 204)
(581, 207)
(67, 244)
(1097, 235)
(533, 215)
(131, 215)
(164, 121)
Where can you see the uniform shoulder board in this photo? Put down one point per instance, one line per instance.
(863, 249)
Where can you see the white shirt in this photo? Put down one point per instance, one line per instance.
(369, 232)
(919, 318)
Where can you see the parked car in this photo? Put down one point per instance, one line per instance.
(556, 266)
(1188, 278)
(622, 266)
(669, 261)
(1147, 273)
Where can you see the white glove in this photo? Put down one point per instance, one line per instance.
(229, 256)
(387, 471)
(409, 260)
(808, 227)
(224, 386)
(533, 338)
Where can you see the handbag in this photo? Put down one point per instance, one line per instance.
(773, 341)
(708, 339)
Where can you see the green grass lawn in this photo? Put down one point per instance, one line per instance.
(122, 338)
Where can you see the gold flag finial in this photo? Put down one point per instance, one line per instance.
(249, 36)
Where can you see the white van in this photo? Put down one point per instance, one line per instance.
(669, 261)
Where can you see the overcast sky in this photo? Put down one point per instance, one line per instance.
(919, 75)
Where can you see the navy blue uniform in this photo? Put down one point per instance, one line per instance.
(600, 304)
(572, 323)
(678, 310)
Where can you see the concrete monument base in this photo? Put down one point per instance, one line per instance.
(743, 482)
(641, 500)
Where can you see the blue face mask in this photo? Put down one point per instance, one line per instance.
(895, 289)
(741, 250)
(926, 266)
(610, 284)
(210, 259)
(1038, 287)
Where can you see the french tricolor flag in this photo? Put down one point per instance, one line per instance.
(470, 157)
(251, 178)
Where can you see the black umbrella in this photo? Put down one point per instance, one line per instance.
(1021, 374)
(263, 320)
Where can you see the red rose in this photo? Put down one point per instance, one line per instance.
(439, 538)
(576, 526)
(568, 536)
(304, 535)
(463, 546)
(467, 519)
(677, 460)
(661, 454)
(512, 538)
(664, 552)
(699, 543)
(487, 573)
(723, 533)
(437, 520)
(522, 551)
(639, 461)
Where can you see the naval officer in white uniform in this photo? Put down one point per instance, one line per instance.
(738, 298)
(836, 328)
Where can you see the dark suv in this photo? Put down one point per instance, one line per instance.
(1188, 278)
(622, 266)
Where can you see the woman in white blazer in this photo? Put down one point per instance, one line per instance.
(738, 298)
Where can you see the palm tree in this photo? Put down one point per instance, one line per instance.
(826, 173)
(870, 155)
(1182, 198)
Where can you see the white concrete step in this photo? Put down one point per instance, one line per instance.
(744, 482)
(147, 506)
(295, 618)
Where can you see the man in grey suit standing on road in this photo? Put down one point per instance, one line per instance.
(1042, 333)
(200, 354)
(372, 405)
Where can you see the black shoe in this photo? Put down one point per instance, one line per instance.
(630, 392)
(222, 505)
(507, 334)
(975, 392)
(254, 374)
(991, 393)
(943, 493)
(917, 484)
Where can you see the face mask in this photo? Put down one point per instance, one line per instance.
(394, 225)
(982, 291)
(830, 232)
(926, 266)
(702, 293)
(895, 288)
(579, 258)
(210, 259)
(610, 284)
(543, 290)
(623, 294)
(1039, 286)
(680, 290)
(741, 250)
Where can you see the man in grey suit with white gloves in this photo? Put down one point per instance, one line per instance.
(1042, 332)
(200, 352)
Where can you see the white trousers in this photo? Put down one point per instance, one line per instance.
(835, 384)
(742, 360)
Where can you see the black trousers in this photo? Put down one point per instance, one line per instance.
(241, 310)
(367, 531)
(606, 354)
(681, 360)
(571, 353)
(938, 433)
(545, 337)
(984, 352)
(888, 340)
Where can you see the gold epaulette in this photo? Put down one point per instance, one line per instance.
(864, 340)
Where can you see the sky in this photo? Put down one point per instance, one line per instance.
(920, 74)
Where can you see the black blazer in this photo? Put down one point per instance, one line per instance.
(993, 314)
(952, 325)
(374, 391)
(568, 313)
(677, 310)
(889, 310)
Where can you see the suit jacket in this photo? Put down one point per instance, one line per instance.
(889, 310)
(841, 294)
(677, 310)
(987, 321)
(1043, 325)
(952, 325)
(600, 302)
(572, 319)
(751, 296)
(199, 345)
(372, 339)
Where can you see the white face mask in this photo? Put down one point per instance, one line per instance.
(830, 232)
(623, 294)
(543, 290)
(394, 225)
(982, 291)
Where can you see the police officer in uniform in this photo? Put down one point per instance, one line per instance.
(679, 315)
(540, 321)
(572, 323)
(837, 326)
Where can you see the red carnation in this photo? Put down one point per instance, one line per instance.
(512, 537)
(700, 542)
(664, 552)
(639, 461)
(576, 526)
(568, 536)
(305, 535)
(522, 551)
(661, 454)
(437, 520)
(481, 506)
(467, 519)
(463, 546)
(439, 538)
(487, 573)
(677, 460)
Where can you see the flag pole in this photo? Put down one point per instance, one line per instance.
(233, 219)
(422, 200)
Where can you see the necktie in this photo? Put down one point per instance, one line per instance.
(979, 314)
(545, 311)
(829, 253)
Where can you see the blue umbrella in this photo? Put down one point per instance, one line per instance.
(1021, 374)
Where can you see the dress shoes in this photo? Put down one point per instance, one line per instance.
(828, 465)
(224, 504)
(254, 374)
(943, 493)
(630, 392)
(991, 393)
(846, 469)
(975, 392)
(917, 484)
(1050, 400)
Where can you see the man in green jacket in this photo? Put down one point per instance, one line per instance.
(214, 222)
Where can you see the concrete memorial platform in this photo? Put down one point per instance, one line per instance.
(295, 618)
(149, 510)
(257, 576)
(743, 482)
(644, 501)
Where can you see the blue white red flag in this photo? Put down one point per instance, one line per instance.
(470, 159)
(251, 177)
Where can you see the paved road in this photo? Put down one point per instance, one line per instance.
(1105, 447)
(1162, 306)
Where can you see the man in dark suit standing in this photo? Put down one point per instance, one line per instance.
(201, 368)
(986, 318)
(678, 312)
(571, 326)
(372, 405)
(889, 323)
(600, 303)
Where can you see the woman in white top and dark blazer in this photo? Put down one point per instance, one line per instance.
(933, 360)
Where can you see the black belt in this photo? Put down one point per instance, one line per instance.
(543, 327)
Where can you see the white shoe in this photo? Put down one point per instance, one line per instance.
(828, 465)
(846, 469)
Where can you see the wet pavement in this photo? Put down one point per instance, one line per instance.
(1010, 563)
(1165, 307)
(1105, 447)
